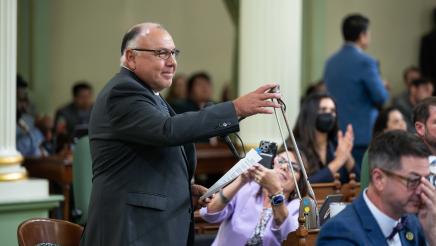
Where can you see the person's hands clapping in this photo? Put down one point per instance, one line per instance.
(427, 212)
(265, 177)
(256, 102)
(345, 144)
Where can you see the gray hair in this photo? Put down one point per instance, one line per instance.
(386, 150)
(130, 38)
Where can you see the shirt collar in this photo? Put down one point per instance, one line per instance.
(354, 45)
(385, 222)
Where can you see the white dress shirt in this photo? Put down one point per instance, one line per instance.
(385, 222)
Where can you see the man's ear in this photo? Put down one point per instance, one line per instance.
(420, 128)
(129, 56)
(378, 179)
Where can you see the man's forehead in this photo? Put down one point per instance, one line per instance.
(156, 36)
(415, 164)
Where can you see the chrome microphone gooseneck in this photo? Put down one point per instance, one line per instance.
(287, 154)
(308, 206)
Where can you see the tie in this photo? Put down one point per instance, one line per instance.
(164, 105)
(399, 227)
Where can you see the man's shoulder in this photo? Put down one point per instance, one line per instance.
(342, 220)
(339, 230)
(350, 54)
(355, 214)
(123, 83)
(66, 109)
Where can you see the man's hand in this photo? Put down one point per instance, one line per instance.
(197, 192)
(427, 213)
(256, 102)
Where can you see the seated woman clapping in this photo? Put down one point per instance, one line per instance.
(260, 207)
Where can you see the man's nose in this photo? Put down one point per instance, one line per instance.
(171, 61)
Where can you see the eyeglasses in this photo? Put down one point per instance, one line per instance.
(294, 165)
(162, 53)
(412, 182)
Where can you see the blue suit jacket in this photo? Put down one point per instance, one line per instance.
(353, 79)
(355, 225)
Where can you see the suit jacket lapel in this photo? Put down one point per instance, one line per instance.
(375, 235)
(409, 236)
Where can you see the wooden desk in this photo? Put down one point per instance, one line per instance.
(55, 169)
(214, 159)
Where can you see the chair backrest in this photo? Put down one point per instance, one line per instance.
(322, 190)
(82, 177)
(351, 190)
(42, 230)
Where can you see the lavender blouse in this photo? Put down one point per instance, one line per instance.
(241, 215)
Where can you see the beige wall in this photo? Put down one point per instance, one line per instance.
(396, 27)
(80, 39)
(85, 36)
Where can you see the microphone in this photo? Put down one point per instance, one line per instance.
(227, 139)
(231, 146)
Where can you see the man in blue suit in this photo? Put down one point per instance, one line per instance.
(398, 207)
(353, 79)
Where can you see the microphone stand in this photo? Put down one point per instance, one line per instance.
(308, 205)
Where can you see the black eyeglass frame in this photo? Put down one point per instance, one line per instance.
(411, 182)
(294, 165)
(161, 53)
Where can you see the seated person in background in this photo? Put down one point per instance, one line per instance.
(419, 89)
(28, 137)
(45, 125)
(177, 91)
(388, 119)
(317, 87)
(199, 91)
(399, 205)
(326, 148)
(74, 116)
(246, 210)
(409, 74)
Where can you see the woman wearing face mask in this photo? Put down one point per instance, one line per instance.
(327, 149)
(262, 212)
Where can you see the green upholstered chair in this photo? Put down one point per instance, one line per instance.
(82, 177)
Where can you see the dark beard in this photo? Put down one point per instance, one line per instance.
(430, 141)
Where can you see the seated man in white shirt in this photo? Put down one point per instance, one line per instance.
(398, 207)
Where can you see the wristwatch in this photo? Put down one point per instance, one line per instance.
(277, 199)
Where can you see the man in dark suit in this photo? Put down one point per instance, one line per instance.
(427, 53)
(398, 207)
(353, 79)
(75, 115)
(143, 156)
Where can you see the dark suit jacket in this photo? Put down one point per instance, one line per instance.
(356, 225)
(427, 55)
(72, 117)
(143, 163)
(353, 79)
